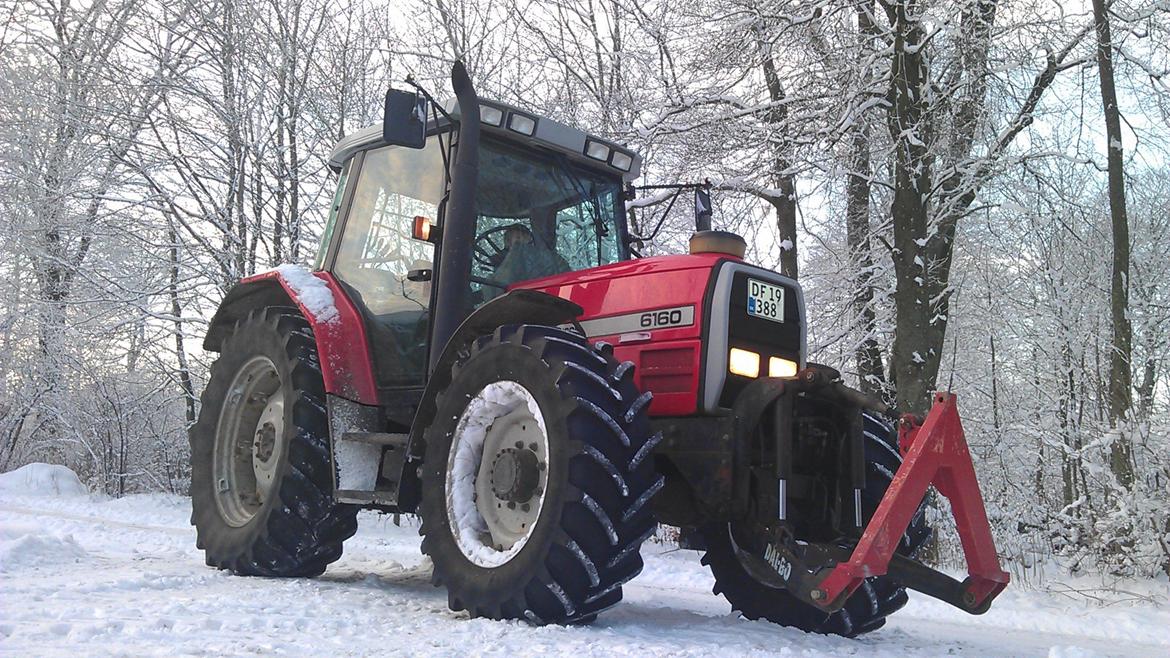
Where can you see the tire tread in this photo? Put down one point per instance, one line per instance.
(304, 530)
(589, 558)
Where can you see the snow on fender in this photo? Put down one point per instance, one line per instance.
(311, 293)
(337, 326)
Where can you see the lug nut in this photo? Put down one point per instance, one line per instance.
(532, 446)
(511, 505)
(525, 507)
(520, 445)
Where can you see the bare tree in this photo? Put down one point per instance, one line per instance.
(1121, 354)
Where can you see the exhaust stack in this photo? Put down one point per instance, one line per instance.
(454, 263)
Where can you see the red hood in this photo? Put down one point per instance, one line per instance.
(650, 310)
(641, 266)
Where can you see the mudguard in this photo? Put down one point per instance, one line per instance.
(337, 325)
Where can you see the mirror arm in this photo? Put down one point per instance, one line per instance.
(431, 99)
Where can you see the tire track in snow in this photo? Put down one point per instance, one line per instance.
(29, 511)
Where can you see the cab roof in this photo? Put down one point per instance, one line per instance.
(497, 119)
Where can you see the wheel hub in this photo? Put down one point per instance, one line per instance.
(265, 438)
(515, 475)
(265, 447)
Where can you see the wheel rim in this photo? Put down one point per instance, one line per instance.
(497, 473)
(249, 441)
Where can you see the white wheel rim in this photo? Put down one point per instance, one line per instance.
(249, 442)
(494, 488)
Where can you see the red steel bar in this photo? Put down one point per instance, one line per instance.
(935, 452)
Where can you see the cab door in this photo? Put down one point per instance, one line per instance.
(375, 253)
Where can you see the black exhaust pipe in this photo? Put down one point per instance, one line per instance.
(454, 262)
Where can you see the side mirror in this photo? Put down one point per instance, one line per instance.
(702, 209)
(405, 120)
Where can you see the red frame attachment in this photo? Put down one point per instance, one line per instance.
(935, 452)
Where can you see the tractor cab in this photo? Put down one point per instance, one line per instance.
(548, 200)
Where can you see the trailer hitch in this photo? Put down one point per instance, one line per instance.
(934, 452)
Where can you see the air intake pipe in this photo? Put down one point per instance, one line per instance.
(454, 262)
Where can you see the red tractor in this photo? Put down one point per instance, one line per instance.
(477, 345)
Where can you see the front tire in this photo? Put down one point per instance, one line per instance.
(537, 478)
(261, 473)
(867, 609)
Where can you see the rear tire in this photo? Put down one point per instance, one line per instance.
(587, 483)
(867, 609)
(261, 472)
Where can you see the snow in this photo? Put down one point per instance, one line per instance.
(41, 480)
(311, 292)
(92, 576)
(496, 400)
(357, 462)
(23, 546)
(653, 199)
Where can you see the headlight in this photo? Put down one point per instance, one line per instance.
(778, 367)
(744, 363)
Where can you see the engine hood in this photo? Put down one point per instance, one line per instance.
(675, 318)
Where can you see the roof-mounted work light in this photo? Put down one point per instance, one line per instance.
(622, 160)
(525, 125)
(493, 116)
(597, 150)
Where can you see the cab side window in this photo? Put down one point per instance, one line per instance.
(376, 252)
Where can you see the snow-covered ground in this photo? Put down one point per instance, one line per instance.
(85, 575)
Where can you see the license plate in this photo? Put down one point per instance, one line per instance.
(765, 300)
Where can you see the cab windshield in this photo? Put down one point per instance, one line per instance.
(537, 215)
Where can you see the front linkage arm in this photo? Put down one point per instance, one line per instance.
(935, 452)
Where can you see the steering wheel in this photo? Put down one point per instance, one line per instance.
(490, 247)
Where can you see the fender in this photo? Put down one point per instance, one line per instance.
(518, 306)
(338, 328)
